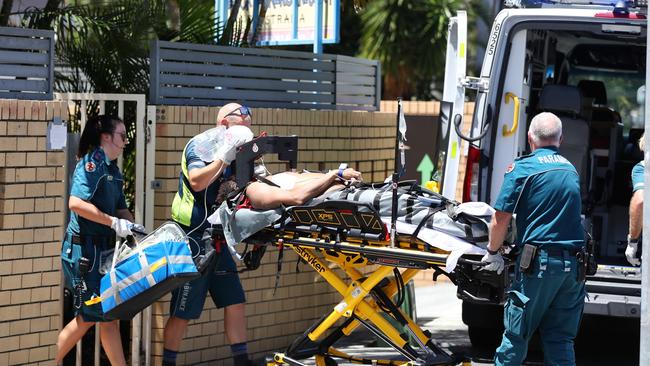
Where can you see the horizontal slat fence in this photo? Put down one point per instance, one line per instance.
(26, 63)
(207, 75)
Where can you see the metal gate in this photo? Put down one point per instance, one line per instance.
(143, 208)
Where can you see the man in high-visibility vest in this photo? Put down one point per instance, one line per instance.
(198, 185)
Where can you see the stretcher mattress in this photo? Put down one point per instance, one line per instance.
(457, 228)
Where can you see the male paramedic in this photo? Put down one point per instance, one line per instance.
(199, 182)
(543, 190)
(636, 210)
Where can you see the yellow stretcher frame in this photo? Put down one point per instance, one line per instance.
(359, 304)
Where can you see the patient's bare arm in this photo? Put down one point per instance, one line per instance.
(263, 196)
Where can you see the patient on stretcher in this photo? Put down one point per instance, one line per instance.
(442, 223)
(293, 189)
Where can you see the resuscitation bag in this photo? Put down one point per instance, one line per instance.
(142, 273)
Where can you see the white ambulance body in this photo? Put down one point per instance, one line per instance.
(585, 63)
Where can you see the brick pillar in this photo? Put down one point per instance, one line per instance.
(31, 219)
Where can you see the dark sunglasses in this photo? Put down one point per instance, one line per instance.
(243, 111)
(121, 134)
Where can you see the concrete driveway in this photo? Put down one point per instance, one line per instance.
(601, 342)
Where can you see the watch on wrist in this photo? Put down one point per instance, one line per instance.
(632, 241)
(342, 167)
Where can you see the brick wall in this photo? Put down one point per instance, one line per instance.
(327, 138)
(31, 219)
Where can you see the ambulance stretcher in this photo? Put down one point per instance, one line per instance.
(373, 268)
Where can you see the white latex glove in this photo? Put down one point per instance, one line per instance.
(234, 137)
(138, 229)
(630, 252)
(122, 227)
(494, 263)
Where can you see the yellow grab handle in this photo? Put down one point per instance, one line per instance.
(509, 131)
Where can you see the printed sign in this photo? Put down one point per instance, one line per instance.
(293, 22)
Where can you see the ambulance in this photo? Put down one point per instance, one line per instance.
(585, 61)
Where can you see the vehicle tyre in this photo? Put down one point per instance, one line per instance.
(487, 338)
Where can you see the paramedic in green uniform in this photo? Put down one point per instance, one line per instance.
(636, 210)
(97, 213)
(199, 183)
(543, 190)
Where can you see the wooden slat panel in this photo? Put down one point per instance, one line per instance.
(23, 32)
(26, 58)
(254, 104)
(247, 60)
(356, 60)
(193, 74)
(247, 72)
(258, 84)
(27, 96)
(23, 43)
(347, 99)
(24, 85)
(25, 71)
(354, 79)
(245, 95)
(246, 51)
(355, 69)
(30, 58)
(355, 89)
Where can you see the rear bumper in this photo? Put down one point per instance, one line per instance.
(613, 305)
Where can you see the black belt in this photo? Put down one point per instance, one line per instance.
(560, 252)
(95, 239)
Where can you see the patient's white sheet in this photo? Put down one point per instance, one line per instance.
(457, 247)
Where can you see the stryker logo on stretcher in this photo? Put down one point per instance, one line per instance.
(312, 260)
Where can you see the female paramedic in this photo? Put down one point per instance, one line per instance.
(97, 213)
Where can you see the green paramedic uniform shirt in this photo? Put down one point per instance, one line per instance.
(189, 207)
(97, 180)
(543, 190)
(637, 176)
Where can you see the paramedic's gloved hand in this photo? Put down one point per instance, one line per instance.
(122, 227)
(494, 262)
(234, 137)
(630, 252)
(138, 229)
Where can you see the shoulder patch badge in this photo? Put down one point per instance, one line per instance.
(90, 167)
(510, 167)
(97, 156)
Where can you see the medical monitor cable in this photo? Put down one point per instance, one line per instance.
(205, 208)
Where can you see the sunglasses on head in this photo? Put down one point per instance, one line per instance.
(243, 111)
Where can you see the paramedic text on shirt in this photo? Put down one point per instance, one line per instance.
(198, 185)
(636, 210)
(543, 190)
(98, 212)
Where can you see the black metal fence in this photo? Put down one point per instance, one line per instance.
(26, 63)
(206, 75)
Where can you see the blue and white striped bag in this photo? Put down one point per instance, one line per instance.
(140, 275)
